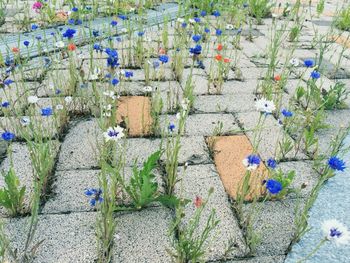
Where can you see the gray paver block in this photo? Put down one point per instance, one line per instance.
(263, 259)
(197, 181)
(66, 238)
(143, 236)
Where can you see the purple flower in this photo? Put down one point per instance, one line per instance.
(5, 104)
(196, 38)
(216, 13)
(197, 50)
(114, 82)
(309, 63)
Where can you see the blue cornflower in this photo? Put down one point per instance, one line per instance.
(46, 111)
(129, 74)
(271, 163)
(75, 9)
(309, 63)
(5, 104)
(58, 91)
(315, 74)
(97, 47)
(26, 43)
(34, 27)
(8, 82)
(78, 22)
(274, 186)
(200, 64)
(114, 82)
(164, 59)
(123, 17)
(38, 37)
(336, 164)
(203, 13)
(95, 195)
(95, 33)
(251, 162)
(141, 33)
(69, 33)
(196, 38)
(112, 60)
(8, 136)
(197, 19)
(108, 76)
(218, 32)
(216, 13)
(71, 21)
(184, 24)
(171, 127)
(197, 50)
(114, 23)
(287, 113)
(207, 30)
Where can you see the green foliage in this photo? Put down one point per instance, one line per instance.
(260, 9)
(343, 20)
(143, 188)
(335, 97)
(190, 245)
(12, 195)
(285, 179)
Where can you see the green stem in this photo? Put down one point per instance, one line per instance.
(313, 251)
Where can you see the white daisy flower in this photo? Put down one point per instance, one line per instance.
(191, 21)
(110, 94)
(147, 89)
(265, 106)
(107, 114)
(294, 62)
(25, 120)
(32, 99)
(68, 99)
(229, 27)
(59, 107)
(114, 134)
(336, 231)
(59, 44)
(180, 20)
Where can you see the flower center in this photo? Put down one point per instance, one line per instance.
(113, 134)
(335, 233)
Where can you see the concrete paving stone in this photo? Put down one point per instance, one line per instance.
(193, 150)
(225, 103)
(271, 134)
(65, 238)
(260, 259)
(274, 222)
(239, 87)
(22, 165)
(205, 124)
(305, 177)
(80, 147)
(197, 181)
(143, 236)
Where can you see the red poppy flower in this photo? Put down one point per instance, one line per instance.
(227, 60)
(15, 49)
(71, 47)
(220, 47)
(198, 202)
(277, 78)
(218, 57)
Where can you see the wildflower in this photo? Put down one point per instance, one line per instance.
(95, 195)
(216, 13)
(123, 17)
(37, 6)
(97, 47)
(203, 13)
(68, 99)
(114, 23)
(336, 231)
(46, 111)
(8, 82)
(24, 121)
(114, 82)
(227, 60)
(336, 164)
(294, 62)
(59, 107)
(273, 186)
(271, 163)
(196, 38)
(128, 74)
(185, 103)
(197, 19)
(229, 27)
(71, 47)
(75, 9)
(71, 21)
(184, 25)
(207, 30)
(110, 94)
(15, 49)
(113, 58)
(287, 113)
(220, 47)
(309, 63)
(218, 32)
(114, 134)
(156, 64)
(197, 50)
(26, 43)
(315, 74)
(198, 202)
(8, 136)
(59, 44)
(171, 127)
(58, 91)
(277, 78)
(5, 104)
(164, 59)
(265, 106)
(218, 57)
(32, 99)
(69, 33)
(251, 162)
